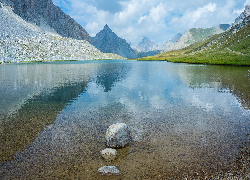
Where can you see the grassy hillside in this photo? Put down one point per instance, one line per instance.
(229, 48)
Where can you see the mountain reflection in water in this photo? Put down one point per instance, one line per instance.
(183, 118)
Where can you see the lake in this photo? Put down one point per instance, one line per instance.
(186, 120)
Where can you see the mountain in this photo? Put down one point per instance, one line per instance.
(171, 41)
(148, 53)
(48, 17)
(231, 47)
(24, 41)
(242, 16)
(196, 35)
(108, 42)
(176, 37)
(145, 45)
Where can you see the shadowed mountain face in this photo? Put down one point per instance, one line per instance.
(48, 16)
(108, 42)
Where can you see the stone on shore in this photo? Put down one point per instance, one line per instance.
(109, 154)
(118, 135)
(108, 170)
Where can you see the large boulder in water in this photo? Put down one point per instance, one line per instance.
(118, 135)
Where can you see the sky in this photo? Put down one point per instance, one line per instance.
(159, 20)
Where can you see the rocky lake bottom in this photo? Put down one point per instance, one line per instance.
(186, 121)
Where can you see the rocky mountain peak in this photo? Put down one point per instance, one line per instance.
(247, 10)
(46, 15)
(145, 45)
(245, 14)
(106, 27)
(107, 41)
(145, 40)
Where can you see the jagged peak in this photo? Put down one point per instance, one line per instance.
(145, 39)
(247, 9)
(106, 27)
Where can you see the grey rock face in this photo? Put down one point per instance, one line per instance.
(108, 170)
(242, 16)
(46, 15)
(118, 135)
(11, 27)
(108, 42)
(242, 20)
(24, 41)
(109, 154)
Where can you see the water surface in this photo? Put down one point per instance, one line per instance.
(185, 119)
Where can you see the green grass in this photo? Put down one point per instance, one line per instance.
(230, 48)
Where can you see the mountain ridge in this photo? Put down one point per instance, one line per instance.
(228, 48)
(48, 16)
(23, 41)
(108, 42)
(195, 35)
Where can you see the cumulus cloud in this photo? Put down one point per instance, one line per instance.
(194, 18)
(247, 2)
(157, 19)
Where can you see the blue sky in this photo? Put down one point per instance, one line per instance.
(159, 20)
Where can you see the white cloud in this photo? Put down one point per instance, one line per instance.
(192, 18)
(247, 2)
(157, 19)
(140, 20)
(92, 26)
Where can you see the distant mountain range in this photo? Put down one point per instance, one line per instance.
(145, 45)
(231, 47)
(194, 35)
(108, 42)
(171, 42)
(48, 17)
(35, 30)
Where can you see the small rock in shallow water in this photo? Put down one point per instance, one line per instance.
(109, 154)
(118, 135)
(108, 170)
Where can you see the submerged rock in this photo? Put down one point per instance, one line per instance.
(118, 135)
(108, 170)
(109, 154)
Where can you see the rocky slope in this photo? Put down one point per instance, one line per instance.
(49, 17)
(242, 16)
(23, 41)
(195, 35)
(108, 42)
